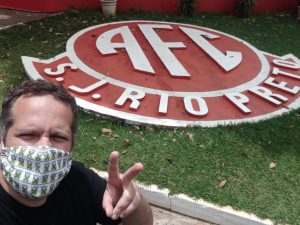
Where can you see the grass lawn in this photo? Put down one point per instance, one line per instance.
(241, 154)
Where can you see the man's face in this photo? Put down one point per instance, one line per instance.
(40, 121)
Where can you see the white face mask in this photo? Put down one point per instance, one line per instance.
(33, 171)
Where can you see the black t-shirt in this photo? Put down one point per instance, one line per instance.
(76, 201)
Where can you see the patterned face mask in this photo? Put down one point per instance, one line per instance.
(34, 172)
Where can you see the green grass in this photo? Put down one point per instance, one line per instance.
(239, 154)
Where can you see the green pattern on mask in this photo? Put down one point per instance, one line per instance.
(34, 172)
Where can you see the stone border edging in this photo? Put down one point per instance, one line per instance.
(198, 209)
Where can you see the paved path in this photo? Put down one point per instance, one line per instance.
(161, 216)
(164, 217)
(11, 17)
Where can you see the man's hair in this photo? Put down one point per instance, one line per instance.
(35, 88)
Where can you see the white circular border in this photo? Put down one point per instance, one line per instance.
(261, 76)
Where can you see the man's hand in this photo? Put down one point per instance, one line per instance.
(121, 196)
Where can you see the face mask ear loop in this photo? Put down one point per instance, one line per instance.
(2, 147)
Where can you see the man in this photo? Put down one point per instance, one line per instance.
(40, 184)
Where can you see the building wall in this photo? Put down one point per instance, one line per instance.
(166, 6)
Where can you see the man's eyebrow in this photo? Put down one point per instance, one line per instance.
(26, 129)
(60, 133)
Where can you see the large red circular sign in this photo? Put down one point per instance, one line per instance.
(172, 74)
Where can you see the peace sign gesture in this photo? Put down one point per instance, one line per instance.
(121, 197)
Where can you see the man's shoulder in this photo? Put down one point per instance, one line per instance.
(80, 182)
(7, 206)
(76, 165)
(81, 172)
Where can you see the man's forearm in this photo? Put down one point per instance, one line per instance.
(141, 216)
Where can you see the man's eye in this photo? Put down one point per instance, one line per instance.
(58, 137)
(27, 135)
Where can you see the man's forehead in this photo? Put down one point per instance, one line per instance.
(39, 102)
(36, 107)
(26, 99)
